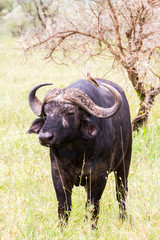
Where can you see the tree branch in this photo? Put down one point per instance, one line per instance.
(116, 25)
(39, 14)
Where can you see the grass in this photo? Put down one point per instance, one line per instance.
(28, 205)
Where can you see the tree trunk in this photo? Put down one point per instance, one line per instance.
(145, 107)
(146, 98)
(142, 116)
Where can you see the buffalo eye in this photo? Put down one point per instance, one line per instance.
(70, 113)
(47, 109)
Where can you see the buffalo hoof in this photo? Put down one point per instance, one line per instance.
(94, 226)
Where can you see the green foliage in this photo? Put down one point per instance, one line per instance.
(27, 198)
(14, 22)
(6, 5)
(20, 16)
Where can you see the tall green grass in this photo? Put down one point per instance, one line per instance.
(28, 205)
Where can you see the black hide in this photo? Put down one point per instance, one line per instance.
(84, 149)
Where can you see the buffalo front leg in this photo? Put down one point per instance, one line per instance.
(121, 178)
(94, 193)
(63, 193)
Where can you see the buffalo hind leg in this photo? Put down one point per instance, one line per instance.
(121, 178)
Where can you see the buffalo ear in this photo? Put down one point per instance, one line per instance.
(36, 126)
(89, 129)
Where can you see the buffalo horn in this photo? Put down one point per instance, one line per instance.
(34, 102)
(80, 98)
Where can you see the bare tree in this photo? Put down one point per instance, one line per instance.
(127, 31)
(39, 10)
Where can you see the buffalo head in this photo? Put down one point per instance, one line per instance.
(66, 114)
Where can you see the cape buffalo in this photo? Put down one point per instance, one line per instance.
(88, 130)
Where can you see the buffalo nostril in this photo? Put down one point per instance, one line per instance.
(50, 138)
(45, 137)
